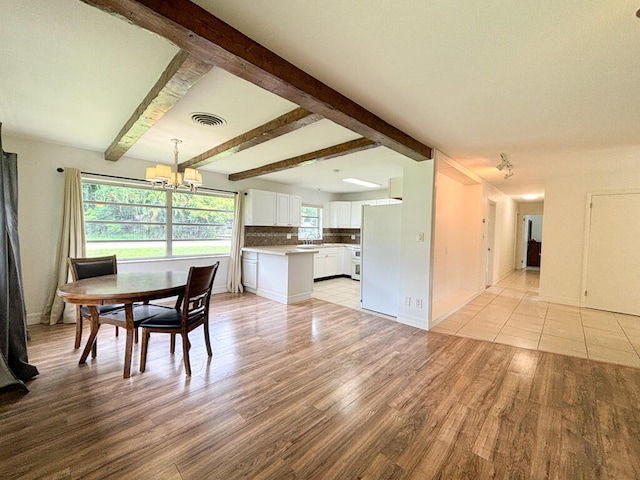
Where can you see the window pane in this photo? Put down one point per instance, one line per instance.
(132, 222)
(211, 217)
(123, 213)
(127, 249)
(310, 223)
(97, 192)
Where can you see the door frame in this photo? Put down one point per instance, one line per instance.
(491, 245)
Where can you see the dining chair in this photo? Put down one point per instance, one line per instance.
(82, 268)
(189, 314)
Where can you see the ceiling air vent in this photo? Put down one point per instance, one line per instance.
(208, 120)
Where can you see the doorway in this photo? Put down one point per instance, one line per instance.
(531, 241)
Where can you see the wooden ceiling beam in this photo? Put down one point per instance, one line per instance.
(334, 151)
(181, 74)
(202, 34)
(286, 123)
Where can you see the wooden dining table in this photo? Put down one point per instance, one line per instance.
(121, 288)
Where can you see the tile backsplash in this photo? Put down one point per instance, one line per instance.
(260, 236)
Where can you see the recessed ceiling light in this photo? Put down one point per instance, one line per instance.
(362, 183)
(531, 196)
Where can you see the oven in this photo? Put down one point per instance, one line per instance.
(355, 262)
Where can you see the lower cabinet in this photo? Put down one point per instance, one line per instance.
(250, 271)
(325, 263)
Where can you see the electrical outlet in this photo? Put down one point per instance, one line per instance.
(407, 301)
(353, 237)
(288, 236)
(418, 303)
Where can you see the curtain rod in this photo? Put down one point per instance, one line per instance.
(60, 170)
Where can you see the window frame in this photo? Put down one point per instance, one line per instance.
(168, 241)
(301, 235)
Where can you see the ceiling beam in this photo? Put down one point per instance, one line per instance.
(194, 29)
(286, 123)
(334, 151)
(174, 83)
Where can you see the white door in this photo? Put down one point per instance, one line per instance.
(613, 258)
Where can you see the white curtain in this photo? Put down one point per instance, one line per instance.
(234, 277)
(71, 242)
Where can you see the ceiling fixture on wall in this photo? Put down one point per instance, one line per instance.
(161, 175)
(505, 163)
(362, 183)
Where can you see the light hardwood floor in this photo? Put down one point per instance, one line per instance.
(319, 391)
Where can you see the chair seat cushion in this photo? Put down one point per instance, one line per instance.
(101, 309)
(170, 319)
(141, 312)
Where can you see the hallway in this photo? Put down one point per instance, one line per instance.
(511, 313)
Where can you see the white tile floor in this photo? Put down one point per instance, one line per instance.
(511, 313)
(343, 291)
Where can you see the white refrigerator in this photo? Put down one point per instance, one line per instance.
(380, 258)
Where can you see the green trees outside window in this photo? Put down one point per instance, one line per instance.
(139, 222)
(310, 223)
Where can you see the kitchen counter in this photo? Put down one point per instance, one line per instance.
(281, 249)
(280, 273)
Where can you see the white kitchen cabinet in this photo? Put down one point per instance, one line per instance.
(295, 210)
(250, 271)
(347, 260)
(264, 208)
(340, 251)
(325, 263)
(339, 214)
(260, 207)
(288, 210)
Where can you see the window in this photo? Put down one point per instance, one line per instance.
(139, 222)
(310, 223)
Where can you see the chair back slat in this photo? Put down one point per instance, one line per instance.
(198, 292)
(82, 268)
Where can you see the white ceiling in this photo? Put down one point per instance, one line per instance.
(553, 85)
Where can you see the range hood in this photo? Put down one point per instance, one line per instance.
(395, 188)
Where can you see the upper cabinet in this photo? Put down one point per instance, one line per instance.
(263, 208)
(339, 214)
(288, 210)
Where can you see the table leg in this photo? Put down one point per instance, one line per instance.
(128, 309)
(92, 345)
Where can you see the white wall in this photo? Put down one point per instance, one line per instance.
(563, 229)
(40, 191)
(415, 256)
(505, 231)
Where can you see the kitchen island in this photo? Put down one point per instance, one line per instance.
(280, 273)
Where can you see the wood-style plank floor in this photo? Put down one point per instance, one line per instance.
(318, 391)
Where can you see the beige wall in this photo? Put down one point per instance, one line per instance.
(457, 274)
(563, 231)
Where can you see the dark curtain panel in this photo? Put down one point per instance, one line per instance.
(14, 364)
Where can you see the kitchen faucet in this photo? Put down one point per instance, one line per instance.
(310, 238)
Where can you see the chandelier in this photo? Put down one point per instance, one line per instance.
(161, 175)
